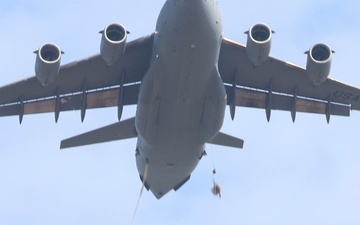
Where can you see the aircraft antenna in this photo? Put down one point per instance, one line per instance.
(141, 191)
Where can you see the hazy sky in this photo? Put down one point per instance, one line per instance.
(301, 173)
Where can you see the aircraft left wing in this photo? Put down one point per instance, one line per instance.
(280, 85)
(81, 85)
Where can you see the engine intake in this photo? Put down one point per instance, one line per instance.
(113, 43)
(259, 43)
(47, 64)
(318, 64)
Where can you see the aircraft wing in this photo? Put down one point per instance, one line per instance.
(279, 85)
(83, 84)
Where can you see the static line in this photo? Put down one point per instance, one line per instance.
(141, 191)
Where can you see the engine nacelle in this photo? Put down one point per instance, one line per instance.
(47, 64)
(113, 43)
(318, 63)
(258, 43)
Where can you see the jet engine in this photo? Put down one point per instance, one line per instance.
(47, 63)
(318, 63)
(258, 43)
(113, 43)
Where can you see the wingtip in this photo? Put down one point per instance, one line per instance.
(63, 145)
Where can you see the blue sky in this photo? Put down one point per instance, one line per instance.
(288, 173)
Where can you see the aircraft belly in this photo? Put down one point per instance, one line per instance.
(173, 122)
(168, 167)
(182, 97)
(176, 109)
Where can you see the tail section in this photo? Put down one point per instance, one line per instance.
(117, 131)
(227, 140)
(126, 129)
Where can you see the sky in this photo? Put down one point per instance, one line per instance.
(305, 172)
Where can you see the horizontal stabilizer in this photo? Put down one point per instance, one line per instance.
(227, 140)
(117, 131)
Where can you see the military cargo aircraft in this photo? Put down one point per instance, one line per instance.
(181, 77)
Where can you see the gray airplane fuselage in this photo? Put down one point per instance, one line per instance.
(182, 98)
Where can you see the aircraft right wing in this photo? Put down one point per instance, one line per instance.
(81, 85)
